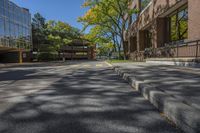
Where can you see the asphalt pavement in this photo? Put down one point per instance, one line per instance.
(75, 97)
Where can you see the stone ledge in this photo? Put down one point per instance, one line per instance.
(183, 115)
(186, 62)
(174, 59)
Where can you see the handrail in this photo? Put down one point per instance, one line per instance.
(182, 42)
(173, 49)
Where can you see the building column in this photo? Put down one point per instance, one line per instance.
(141, 40)
(160, 32)
(133, 44)
(89, 53)
(20, 56)
(138, 41)
(129, 45)
(126, 48)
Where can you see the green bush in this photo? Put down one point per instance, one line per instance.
(47, 56)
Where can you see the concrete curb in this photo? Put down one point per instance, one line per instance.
(183, 115)
(9, 65)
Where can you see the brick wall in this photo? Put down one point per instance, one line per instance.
(155, 17)
(194, 20)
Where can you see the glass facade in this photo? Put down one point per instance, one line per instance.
(15, 26)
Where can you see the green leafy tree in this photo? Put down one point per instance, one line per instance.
(112, 15)
(105, 49)
(50, 36)
(60, 33)
(179, 25)
(101, 36)
(38, 31)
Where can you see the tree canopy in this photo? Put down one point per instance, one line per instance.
(110, 18)
(51, 35)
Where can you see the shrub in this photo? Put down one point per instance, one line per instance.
(47, 56)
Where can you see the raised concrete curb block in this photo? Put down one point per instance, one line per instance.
(9, 65)
(184, 62)
(183, 115)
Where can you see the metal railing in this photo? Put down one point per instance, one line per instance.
(179, 49)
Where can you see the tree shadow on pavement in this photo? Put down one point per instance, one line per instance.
(86, 101)
(180, 84)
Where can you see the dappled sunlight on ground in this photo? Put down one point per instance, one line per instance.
(178, 82)
(76, 100)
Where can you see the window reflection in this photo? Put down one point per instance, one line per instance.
(179, 25)
(15, 25)
(144, 3)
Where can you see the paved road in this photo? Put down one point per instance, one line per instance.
(83, 97)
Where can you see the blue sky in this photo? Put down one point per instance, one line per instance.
(64, 10)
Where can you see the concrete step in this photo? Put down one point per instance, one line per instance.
(185, 62)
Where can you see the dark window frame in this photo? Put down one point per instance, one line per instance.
(145, 5)
(176, 12)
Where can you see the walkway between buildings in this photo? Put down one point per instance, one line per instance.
(174, 91)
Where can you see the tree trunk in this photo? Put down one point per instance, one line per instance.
(124, 47)
(59, 57)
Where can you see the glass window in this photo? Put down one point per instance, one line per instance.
(1, 3)
(27, 34)
(1, 27)
(1, 11)
(24, 32)
(134, 17)
(20, 31)
(16, 31)
(6, 9)
(7, 33)
(179, 25)
(144, 3)
(11, 6)
(12, 29)
(14, 25)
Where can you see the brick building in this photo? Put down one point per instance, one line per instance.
(78, 50)
(164, 28)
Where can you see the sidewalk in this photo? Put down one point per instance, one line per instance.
(4, 65)
(29, 64)
(174, 91)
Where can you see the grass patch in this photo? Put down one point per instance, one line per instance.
(119, 61)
